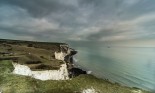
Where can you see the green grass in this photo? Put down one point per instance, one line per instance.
(10, 83)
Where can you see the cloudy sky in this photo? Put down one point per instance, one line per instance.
(128, 22)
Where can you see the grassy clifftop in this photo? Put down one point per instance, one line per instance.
(10, 83)
(39, 55)
(36, 55)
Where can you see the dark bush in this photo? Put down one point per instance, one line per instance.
(30, 45)
(46, 67)
(42, 57)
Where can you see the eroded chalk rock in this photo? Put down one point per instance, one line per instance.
(61, 74)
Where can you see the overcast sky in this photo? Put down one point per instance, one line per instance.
(119, 21)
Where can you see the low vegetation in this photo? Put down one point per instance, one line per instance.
(10, 83)
(40, 56)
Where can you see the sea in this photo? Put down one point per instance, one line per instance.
(128, 66)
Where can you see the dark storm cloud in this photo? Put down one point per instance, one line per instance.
(83, 20)
(102, 33)
(40, 8)
(19, 31)
(23, 32)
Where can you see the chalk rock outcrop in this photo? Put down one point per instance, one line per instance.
(61, 74)
(65, 54)
(66, 71)
(60, 55)
(91, 90)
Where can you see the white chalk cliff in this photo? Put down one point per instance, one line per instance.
(61, 74)
(60, 55)
(91, 90)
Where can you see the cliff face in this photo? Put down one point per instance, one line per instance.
(60, 55)
(67, 56)
(61, 74)
(66, 70)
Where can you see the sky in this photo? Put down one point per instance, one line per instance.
(114, 22)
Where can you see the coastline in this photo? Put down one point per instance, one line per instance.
(106, 79)
(111, 81)
(80, 81)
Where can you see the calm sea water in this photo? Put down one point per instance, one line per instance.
(129, 66)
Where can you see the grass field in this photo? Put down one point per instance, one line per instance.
(10, 83)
